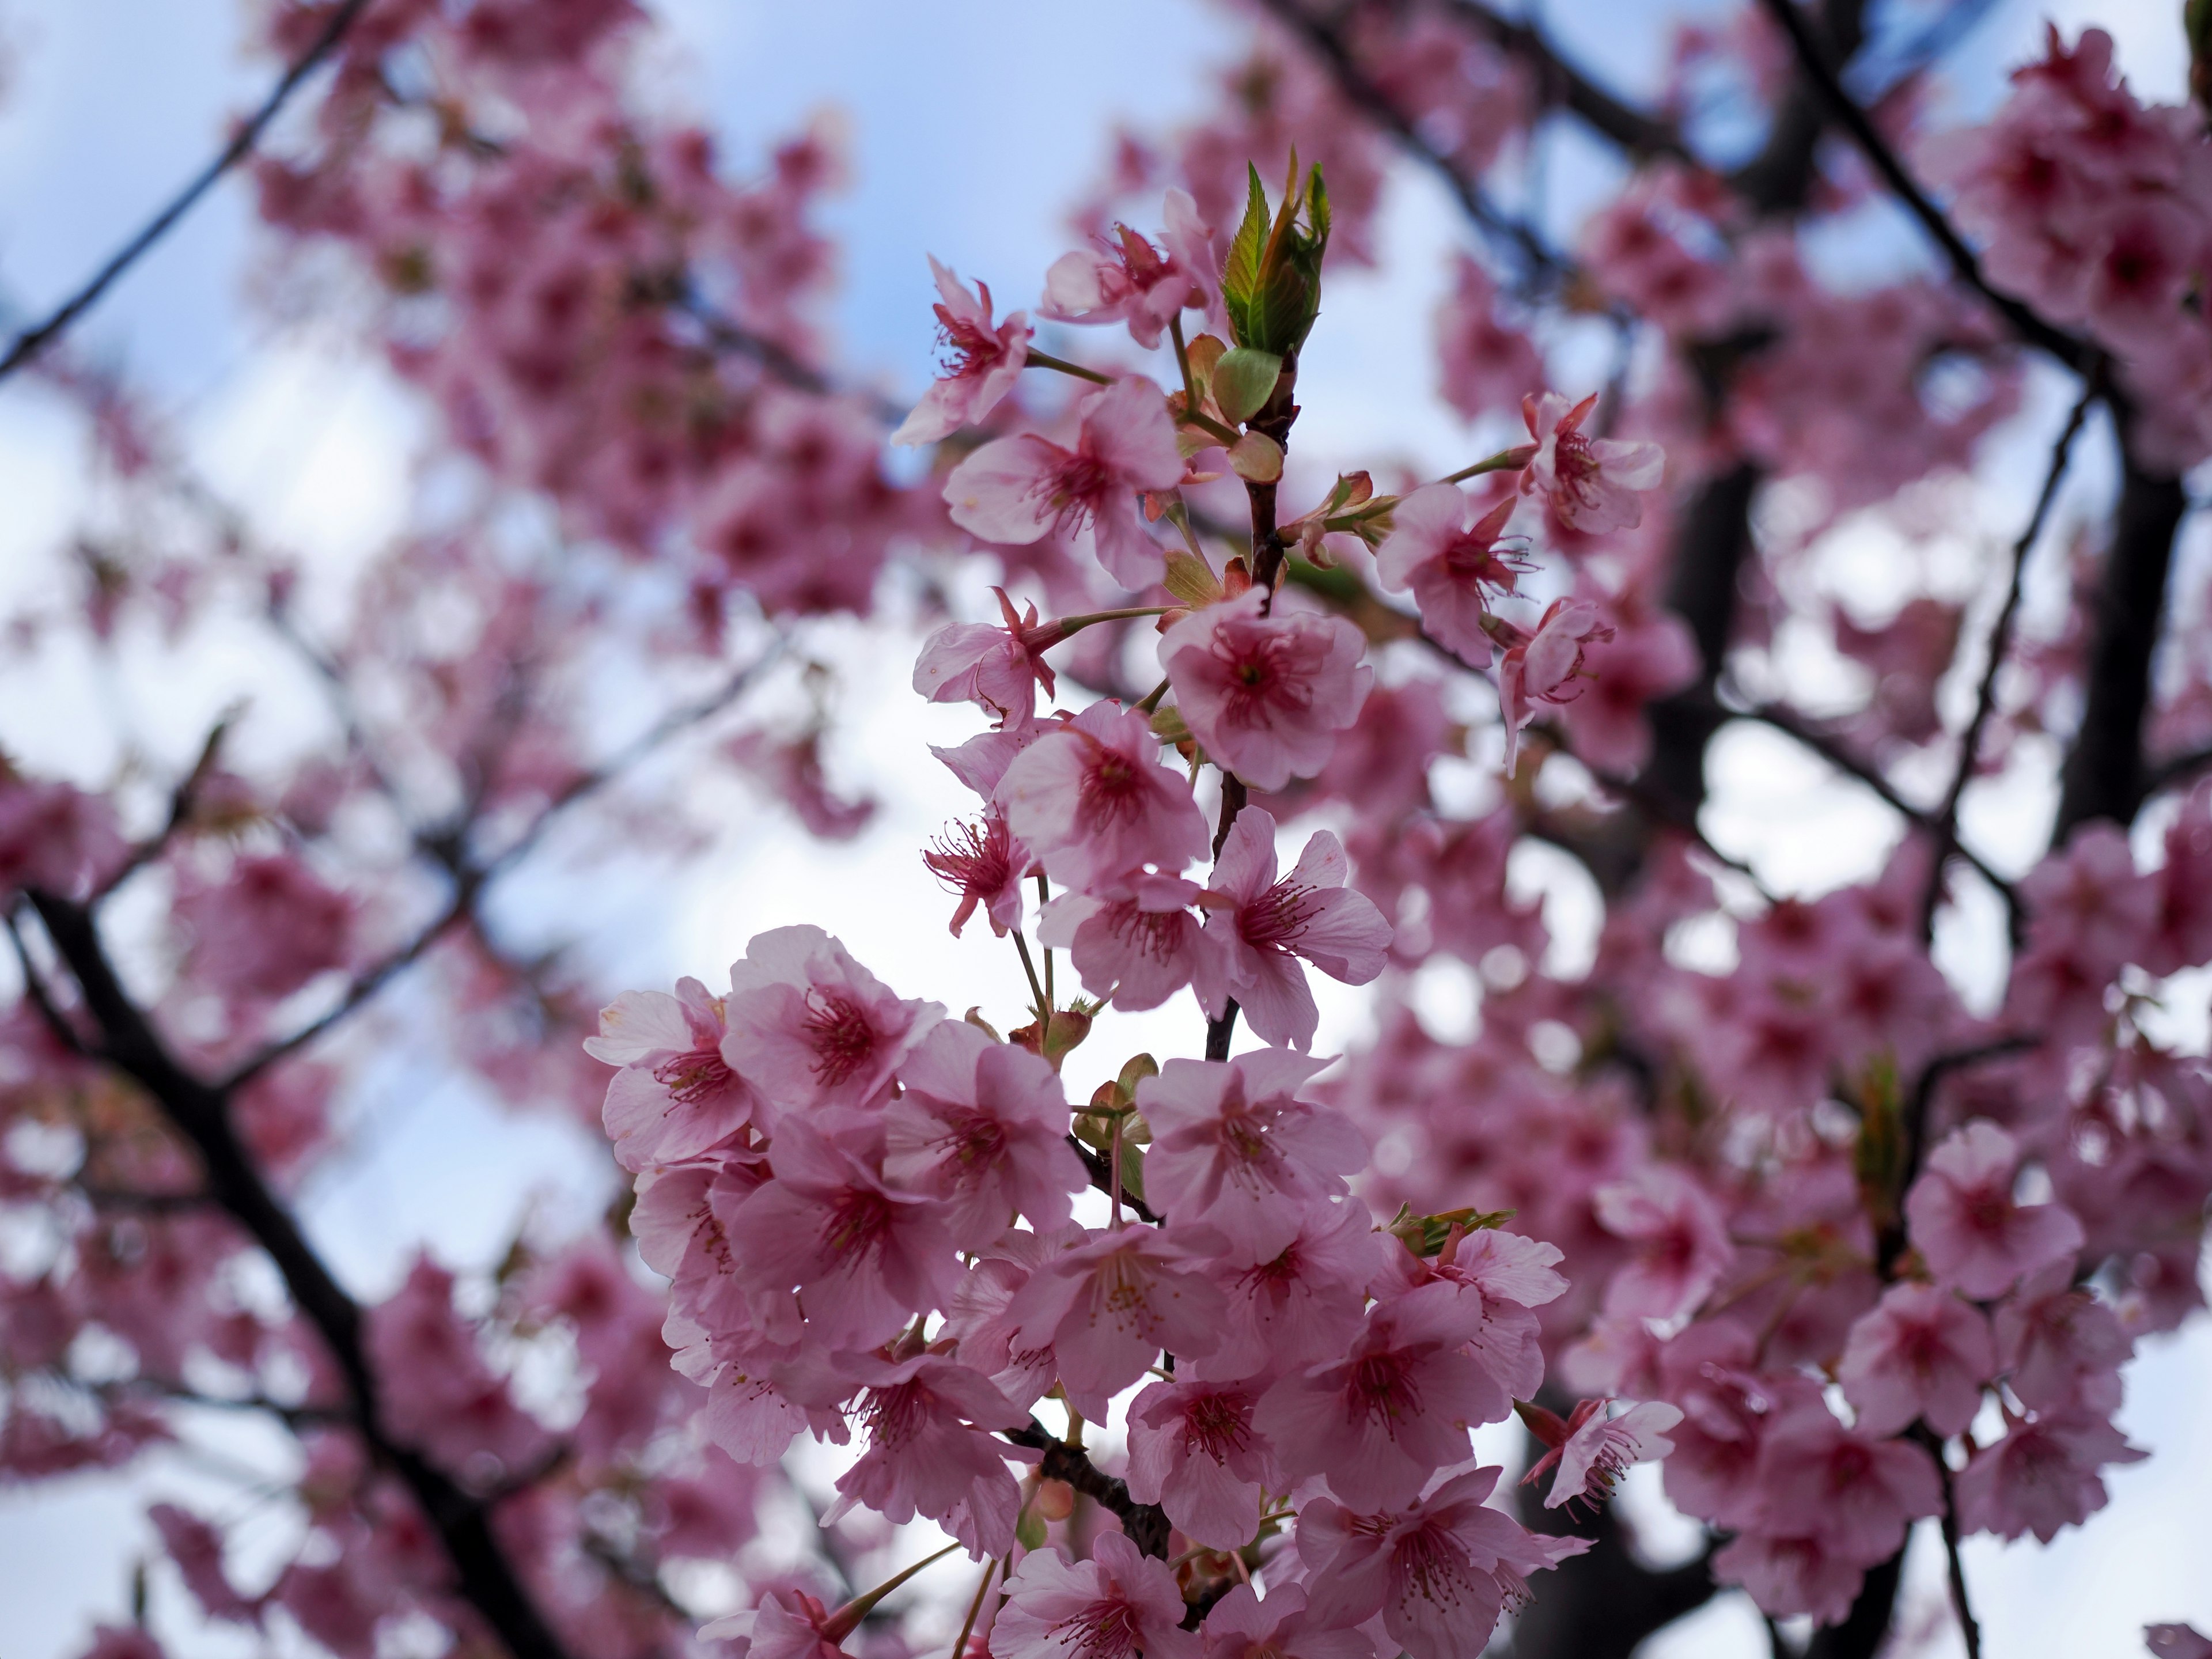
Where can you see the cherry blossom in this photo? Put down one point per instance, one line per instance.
(985, 361)
(2041, 1476)
(1591, 1450)
(1267, 695)
(986, 865)
(1194, 1451)
(810, 1027)
(1263, 927)
(1016, 491)
(1965, 1224)
(929, 1454)
(1135, 941)
(1922, 1354)
(675, 1095)
(1090, 799)
(1592, 484)
(1453, 562)
(1117, 1605)
(1109, 1305)
(1546, 666)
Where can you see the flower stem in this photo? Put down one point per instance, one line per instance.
(1151, 698)
(1044, 897)
(1182, 362)
(1045, 359)
(1037, 989)
(1068, 625)
(975, 1610)
(1506, 460)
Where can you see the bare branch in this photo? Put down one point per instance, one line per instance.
(35, 339)
(1815, 64)
(1561, 83)
(1146, 1523)
(1945, 828)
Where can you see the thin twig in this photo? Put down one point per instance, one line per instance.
(1814, 62)
(35, 339)
(1946, 827)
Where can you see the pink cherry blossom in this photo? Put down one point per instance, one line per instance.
(1108, 1307)
(985, 865)
(1117, 1605)
(1592, 484)
(1090, 799)
(997, 667)
(53, 836)
(810, 1027)
(1592, 1450)
(1240, 1625)
(271, 925)
(1017, 490)
(786, 1624)
(1453, 563)
(1682, 1243)
(1305, 1304)
(1857, 1493)
(1263, 929)
(1126, 279)
(982, 1126)
(1439, 1572)
(1194, 1451)
(2060, 1345)
(1265, 694)
(675, 1096)
(863, 1256)
(1235, 1147)
(1964, 1224)
(1790, 1574)
(197, 1548)
(1496, 1279)
(1921, 1353)
(1546, 666)
(1377, 1422)
(929, 1452)
(2042, 1476)
(984, 360)
(1135, 941)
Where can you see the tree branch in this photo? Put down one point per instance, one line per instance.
(1946, 829)
(1815, 64)
(35, 339)
(200, 1113)
(1566, 86)
(1146, 1523)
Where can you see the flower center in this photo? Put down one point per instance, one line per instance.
(690, 1078)
(838, 1031)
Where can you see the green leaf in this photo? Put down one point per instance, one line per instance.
(1244, 381)
(1139, 1067)
(1168, 724)
(1030, 1530)
(1240, 276)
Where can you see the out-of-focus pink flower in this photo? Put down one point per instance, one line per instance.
(1017, 490)
(1439, 1572)
(1453, 563)
(930, 1451)
(1264, 926)
(1592, 1451)
(1235, 1148)
(998, 667)
(1682, 1243)
(438, 1394)
(1242, 1626)
(1963, 1220)
(1650, 655)
(1305, 1304)
(1267, 695)
(2177, 1642)
(1090, 799)
(985, 865)
(786, 1623)
(1790, 1575)
(1379, 1421)
(2059, 1346)
(197, 1548)
(984, 361)
(1856, 1492)
(1117, 1605)
(1111, 1305)
(863, 1256)
(1591, 483)
(1922, 1353)
(2042, 1476)
(810, 1027)
(1136, 941)
(1125, 279)
(53, 835)
(675, 1095)
(1193, 1450)
(268, 929)
(1484, 364)
(982, 1126)
(1546, 666)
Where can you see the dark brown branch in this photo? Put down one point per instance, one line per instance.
(1832, 749)
(1969, 1627)
(2175, 770)
(181, 801)
(1359, 90)
(1814, 64)
(1146, 1524)
(1946, 827)
(200, 1113)
(35, 339)
(2103, 776)
(1866, 1626)
(1563, 85)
